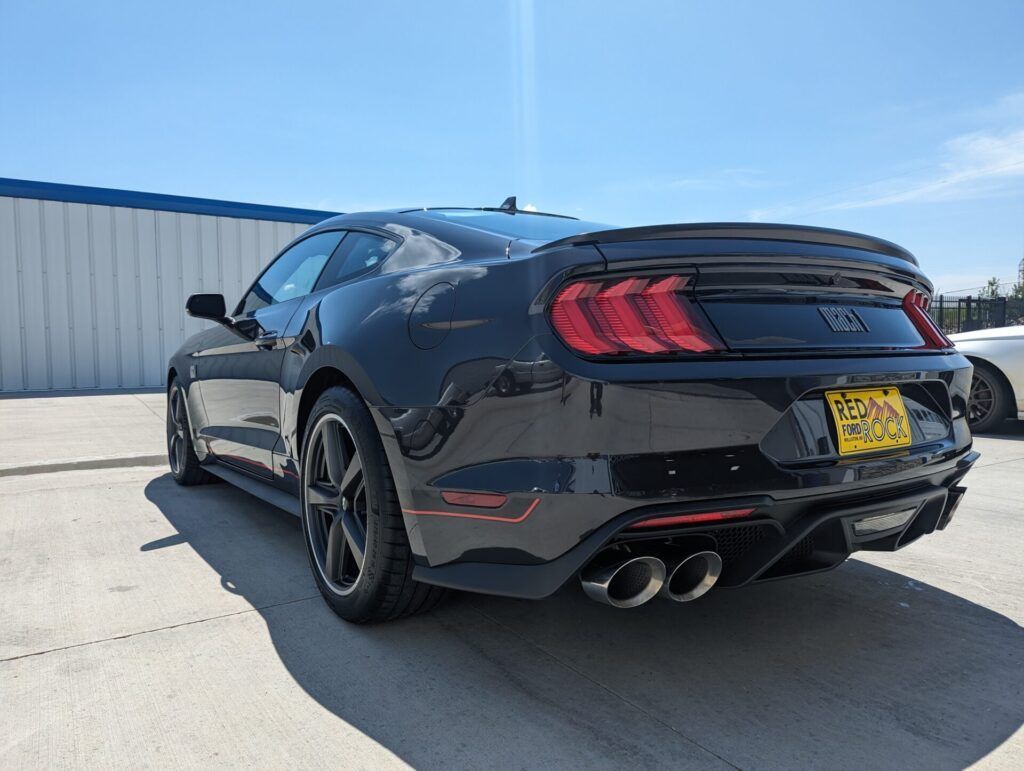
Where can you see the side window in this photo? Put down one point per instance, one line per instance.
(293, 273)
(358, 253)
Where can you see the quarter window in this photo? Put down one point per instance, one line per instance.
(358, 253)
(293, 273)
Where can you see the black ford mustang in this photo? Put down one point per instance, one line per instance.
(497, 401)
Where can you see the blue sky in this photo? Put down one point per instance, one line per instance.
(904, 120)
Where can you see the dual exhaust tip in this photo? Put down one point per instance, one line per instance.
(632, 582)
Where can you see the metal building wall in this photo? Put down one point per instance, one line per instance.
(92, 296)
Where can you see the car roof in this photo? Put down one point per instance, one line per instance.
(469, 235)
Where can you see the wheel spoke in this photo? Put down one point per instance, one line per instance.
(179, 451)
(353, 475)
(335, 504)
(334, 453)
(334, 557)
(179, 417)
(981, 399)
(319, 494)
(355, 535)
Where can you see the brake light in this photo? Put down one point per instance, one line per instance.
(638, 314)
(690, 519)
(915, 305)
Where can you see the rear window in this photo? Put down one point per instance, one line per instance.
(533, 227)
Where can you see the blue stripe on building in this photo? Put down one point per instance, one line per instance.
(104, 196)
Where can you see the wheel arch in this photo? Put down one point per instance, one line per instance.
(324, 367)
(319, 380)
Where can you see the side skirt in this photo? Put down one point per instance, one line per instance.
(253, 486)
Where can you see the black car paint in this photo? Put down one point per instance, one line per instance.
(432, 336)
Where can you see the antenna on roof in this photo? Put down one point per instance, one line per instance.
(509, 204)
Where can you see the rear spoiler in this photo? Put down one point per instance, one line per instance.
(738, 230)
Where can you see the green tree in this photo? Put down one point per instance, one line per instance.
(991, 290)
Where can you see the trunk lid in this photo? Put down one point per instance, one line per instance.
(791, 307)
(771, 294)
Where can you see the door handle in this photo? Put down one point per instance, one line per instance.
(266, 340)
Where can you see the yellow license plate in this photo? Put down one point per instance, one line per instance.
(869, 419)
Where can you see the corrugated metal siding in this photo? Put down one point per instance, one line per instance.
(93, 296)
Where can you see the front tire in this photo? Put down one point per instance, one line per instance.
(355, 536)
(989, 402)
(181, 454)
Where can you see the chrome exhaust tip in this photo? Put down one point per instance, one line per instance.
(623, 584)
(693, 577)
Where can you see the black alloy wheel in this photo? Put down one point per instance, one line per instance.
(336, 504)
(353, 524)
(177, 425)
(181, 454)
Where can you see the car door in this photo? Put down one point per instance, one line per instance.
(239, 378)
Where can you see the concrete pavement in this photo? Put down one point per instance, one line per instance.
(146, 624)
(39, 433)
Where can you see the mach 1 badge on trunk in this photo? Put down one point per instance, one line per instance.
(870, 419)
(842, 319)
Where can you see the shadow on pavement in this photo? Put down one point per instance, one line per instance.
(858, 667)
(1008, 429)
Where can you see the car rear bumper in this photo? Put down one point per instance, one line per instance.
(819, 536)
(588, 449)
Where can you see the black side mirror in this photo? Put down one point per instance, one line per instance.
(207, 306)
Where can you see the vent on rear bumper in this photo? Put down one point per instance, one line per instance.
(732, 543)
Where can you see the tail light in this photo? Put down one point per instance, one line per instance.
(691, 519)
(915, 305)
(638, 314)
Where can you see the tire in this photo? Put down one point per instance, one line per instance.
(349, 504)
(989, 403)
(181, 453)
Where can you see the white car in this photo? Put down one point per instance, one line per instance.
(997, 391)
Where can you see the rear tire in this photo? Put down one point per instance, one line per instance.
(351, 519)
(989, 403)
(181, 453)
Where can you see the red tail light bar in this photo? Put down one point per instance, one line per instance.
(915, 305)
(637, 314)
(690, 519)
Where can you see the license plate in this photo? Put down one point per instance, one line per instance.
(869, 419)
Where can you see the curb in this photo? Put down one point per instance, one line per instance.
(120, 461)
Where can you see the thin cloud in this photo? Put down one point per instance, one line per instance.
(979, 164)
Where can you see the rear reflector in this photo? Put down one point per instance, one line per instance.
(481, 500)
(915, 305)
(638, 315)
(690, 519)
(882, 522)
